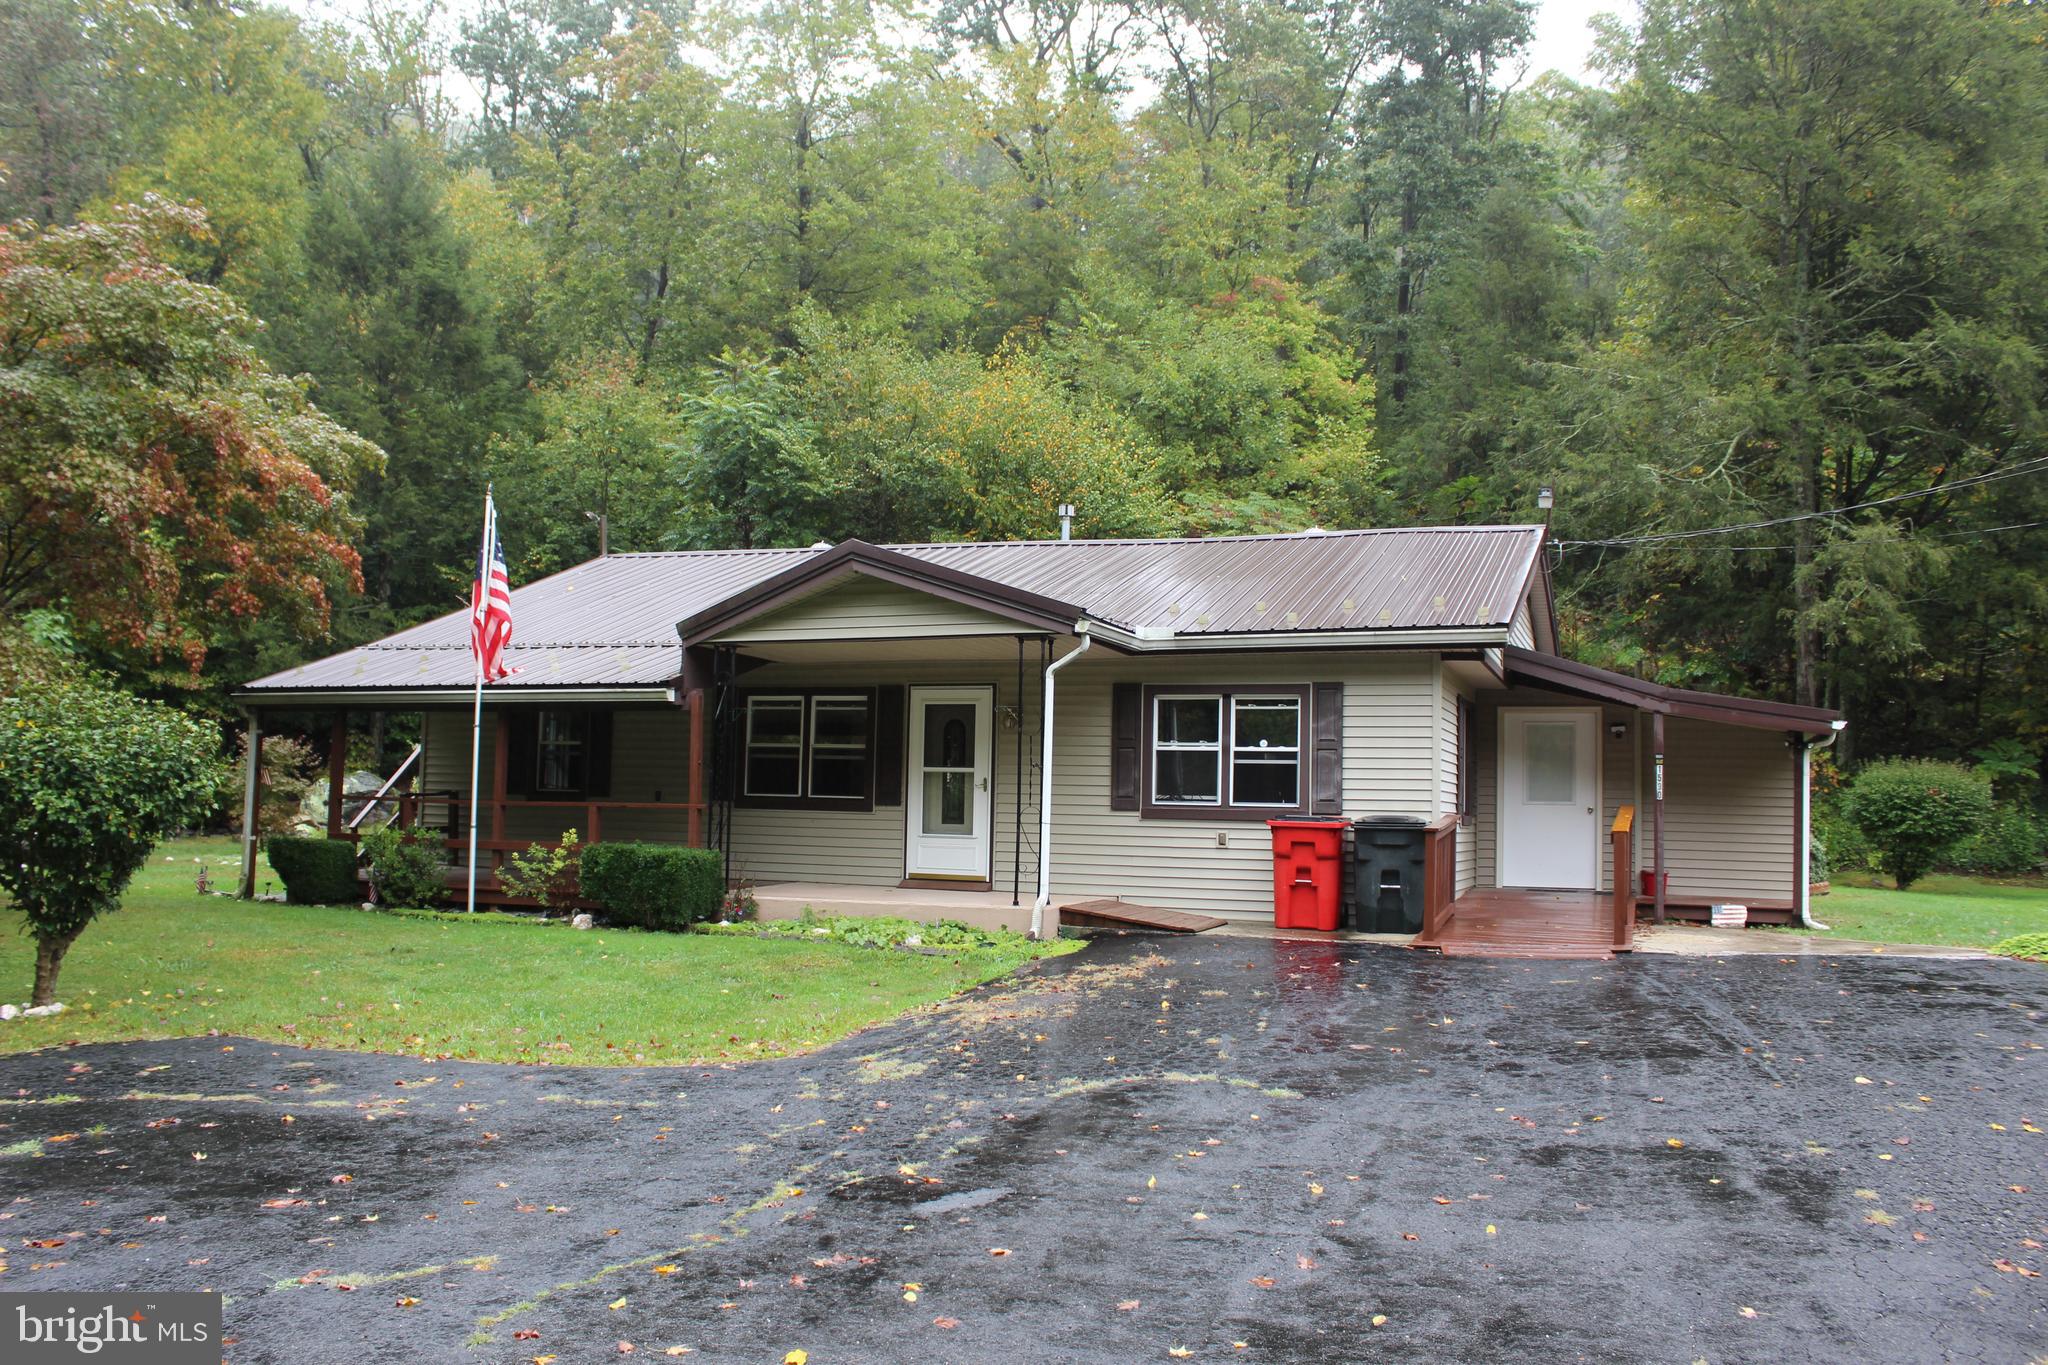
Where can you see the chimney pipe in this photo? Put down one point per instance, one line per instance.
(1066, 521)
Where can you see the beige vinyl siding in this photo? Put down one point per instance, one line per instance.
(650, 762)
(868, 609)
(865, 848)
(1728, 812)
(1449, 690)
(1522, 630)
(1617, 779)
(1223, 867)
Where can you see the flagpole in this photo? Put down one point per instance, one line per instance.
(476, 725)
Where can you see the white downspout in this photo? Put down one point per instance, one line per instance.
(1806, 918)
(1045, 785)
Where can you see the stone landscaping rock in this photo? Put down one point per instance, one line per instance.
(580, 922)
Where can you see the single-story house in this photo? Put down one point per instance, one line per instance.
(1004, 730)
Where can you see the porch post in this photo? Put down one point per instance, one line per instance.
(337, 772)
(252, 795)
(1657, 816)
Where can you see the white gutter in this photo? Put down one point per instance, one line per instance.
(1153, 639)
(1045, 785)
(1806, 918)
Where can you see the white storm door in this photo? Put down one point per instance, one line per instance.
(1549, 799)
(949, 803)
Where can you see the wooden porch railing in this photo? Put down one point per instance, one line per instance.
(1622, 836)
(492, 843)
(1439, 880)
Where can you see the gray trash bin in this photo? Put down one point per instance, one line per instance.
(1386, 874)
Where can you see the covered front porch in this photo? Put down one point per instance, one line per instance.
(1585, 798)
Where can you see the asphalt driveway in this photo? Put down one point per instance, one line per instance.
(1237, 1149)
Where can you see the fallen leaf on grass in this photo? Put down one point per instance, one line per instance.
(1305, 1262)
(627, 1348)
(1746, 1311)
(998, 1251)
(2005, 1267)
(406, 1301)
(1379, 1319)
(1179, 1352)
(796, 1358)
(616, 1304)
(945, 1324)
(1439, 1199)
(1674, 1142)
(666, 1269)
(1410, 1237)
(526, 1334)
(1263, 1281)
(1127, 1306)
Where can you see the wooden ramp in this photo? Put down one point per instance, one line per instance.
(1108, 914)
(1540, 924)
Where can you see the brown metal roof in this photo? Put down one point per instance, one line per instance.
(613, 621)
(1549, 670)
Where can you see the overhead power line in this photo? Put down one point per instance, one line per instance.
(1971, 481)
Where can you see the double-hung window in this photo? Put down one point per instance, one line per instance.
(1226, 751)
(1187, 750)
(809, 748)
(560, 751)
(1265, 751)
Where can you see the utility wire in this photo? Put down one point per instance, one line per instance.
(1945, 535)
(1972, 481)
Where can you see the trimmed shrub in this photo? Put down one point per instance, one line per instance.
(406, 869)
(315, 871)
(654, 886)
(1915, 811)
(2009, 845)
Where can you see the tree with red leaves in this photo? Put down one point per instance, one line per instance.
(156, 479)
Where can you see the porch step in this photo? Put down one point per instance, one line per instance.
(1109, 914)
(1561, 952)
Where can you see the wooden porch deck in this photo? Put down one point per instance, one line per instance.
(1541, 924)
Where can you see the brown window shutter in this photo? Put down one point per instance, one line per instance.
(1468, 784)
(521, 736)
(597, 748)
(890, 704)
(1329, 759)
(1126, 740)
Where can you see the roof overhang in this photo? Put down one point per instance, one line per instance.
(1563, 675)
(1158, 641)
(400, 698)
(850, 558)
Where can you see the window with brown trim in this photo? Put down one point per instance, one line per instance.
(808, 748)
(1225, 753)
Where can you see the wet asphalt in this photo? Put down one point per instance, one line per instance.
(1239, 1149)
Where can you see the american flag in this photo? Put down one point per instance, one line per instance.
(490, 602)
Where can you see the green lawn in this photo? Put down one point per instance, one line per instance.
(174, 963)
(1966, 911)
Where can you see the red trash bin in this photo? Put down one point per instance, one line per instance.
(1308, 873)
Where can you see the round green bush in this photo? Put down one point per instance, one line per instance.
(406, 868)
(1914, 811)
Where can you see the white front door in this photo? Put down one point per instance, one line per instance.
(1549, 798)
(948, 807)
